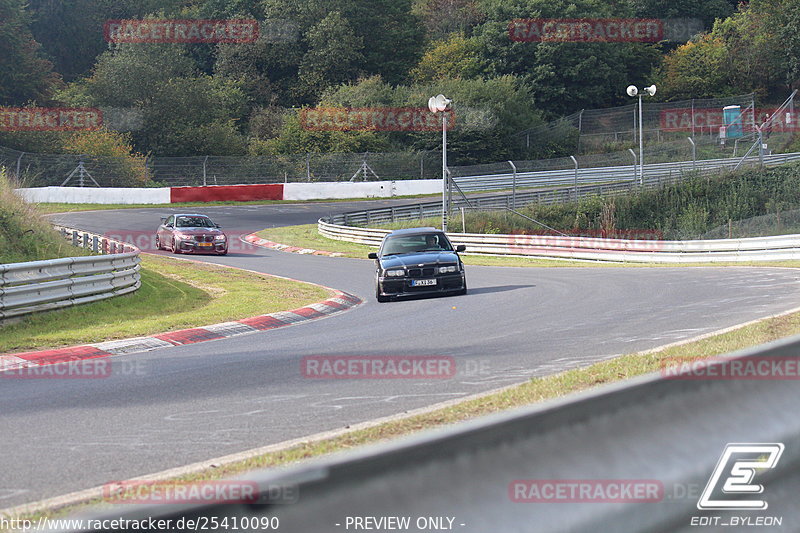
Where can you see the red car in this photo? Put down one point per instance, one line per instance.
(191, 234)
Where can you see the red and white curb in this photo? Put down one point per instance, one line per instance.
(340, 302)
(264, 243)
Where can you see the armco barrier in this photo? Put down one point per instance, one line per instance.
(778, 248)
(665, 431)
(43, 285)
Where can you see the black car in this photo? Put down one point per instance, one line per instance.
(418, 261)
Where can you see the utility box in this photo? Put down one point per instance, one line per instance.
(732, 116)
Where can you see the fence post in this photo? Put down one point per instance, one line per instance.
(694, 154)
(308, 166)
(204, 170)
(19, 165)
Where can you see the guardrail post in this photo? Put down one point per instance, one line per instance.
(513, 184)
(85, 242)
(634, 160)
(694, 154)
(576, 176)
(94, 244)
(75, 239)
(391, 211)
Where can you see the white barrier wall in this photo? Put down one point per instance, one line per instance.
(369, 189)
(96, 195)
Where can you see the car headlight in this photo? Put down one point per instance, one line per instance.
(219, 238)
(448, 269)
(182, 236)
(396, 273)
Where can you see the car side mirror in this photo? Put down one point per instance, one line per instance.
(372, 255)
(163, 219)
(217, 226)
(461, 247)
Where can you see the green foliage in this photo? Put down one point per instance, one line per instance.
(24, 74)
(455, 57)
(698, 69)
(756, 49)
(564, 76)
(24, 234)
(334, 53)
(683, 211)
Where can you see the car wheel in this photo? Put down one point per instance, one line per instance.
(175, 249)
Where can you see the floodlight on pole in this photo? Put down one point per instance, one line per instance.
(632, 92)
(439, 104)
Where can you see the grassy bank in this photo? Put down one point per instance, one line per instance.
(24, 234)
(698, 207)
(171, 297)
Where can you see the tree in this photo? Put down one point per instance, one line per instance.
(697, 69)
(71, 33)
(705, 10)
(24, 74)
(126, 168)
(442, 18)
(333, 56)
(564, 77)
(456, 57)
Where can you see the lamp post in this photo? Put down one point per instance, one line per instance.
(633, 91)
(439, 104)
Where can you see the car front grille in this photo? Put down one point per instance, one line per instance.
(421, 272)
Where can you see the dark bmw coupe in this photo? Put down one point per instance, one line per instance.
(418, 261)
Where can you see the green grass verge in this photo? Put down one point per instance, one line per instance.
(531, 392)
(171, 297)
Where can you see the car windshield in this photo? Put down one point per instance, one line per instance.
(407, 244)
(194, 222)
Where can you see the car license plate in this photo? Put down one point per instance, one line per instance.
(204, 244)
(422, 282)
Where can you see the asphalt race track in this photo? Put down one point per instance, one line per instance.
(192, 403)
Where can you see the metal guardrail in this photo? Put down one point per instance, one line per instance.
(659, 429)
(339, 226)
(44, 285)
(654, 174)
(778, 248)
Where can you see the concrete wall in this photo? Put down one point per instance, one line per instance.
(95, 195)
(368, 189)
(288, 191)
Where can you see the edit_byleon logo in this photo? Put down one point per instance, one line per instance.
(732, 478)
